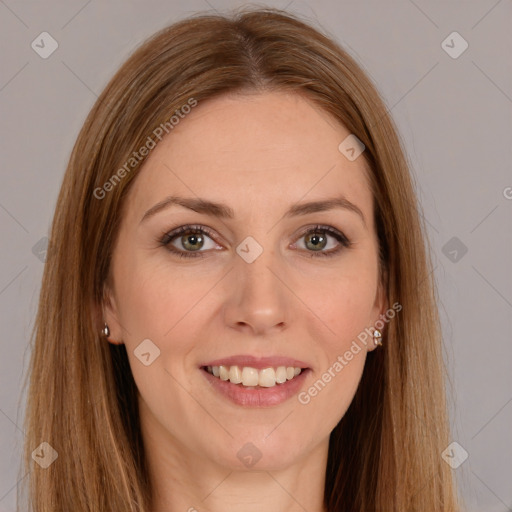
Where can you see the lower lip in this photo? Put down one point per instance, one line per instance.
(257, 397)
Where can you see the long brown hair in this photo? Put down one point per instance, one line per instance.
(385, 453)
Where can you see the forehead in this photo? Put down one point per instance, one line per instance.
(253, 151)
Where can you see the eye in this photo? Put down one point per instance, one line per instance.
(189, 241)
(316, 239)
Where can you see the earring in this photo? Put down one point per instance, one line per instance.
(377, 337)
(105, 331)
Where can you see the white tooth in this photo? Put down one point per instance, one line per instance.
(235, 375)
(223, 373)
(281, 374)
(267, 378)
(249, 376)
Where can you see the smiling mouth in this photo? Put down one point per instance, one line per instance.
(246, 376)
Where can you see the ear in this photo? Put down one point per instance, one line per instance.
(380, 307)
(111, 316)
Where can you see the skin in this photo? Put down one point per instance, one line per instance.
(260, 154)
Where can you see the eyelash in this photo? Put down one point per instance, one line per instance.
(168, 237)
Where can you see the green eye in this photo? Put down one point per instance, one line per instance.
(194, 238)
(317, 239)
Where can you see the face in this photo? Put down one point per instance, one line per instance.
(253, 283)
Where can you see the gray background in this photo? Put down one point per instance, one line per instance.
(453, 114)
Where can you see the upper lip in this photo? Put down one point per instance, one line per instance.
(257, 362)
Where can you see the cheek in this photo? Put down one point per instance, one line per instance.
(346, 305)
(346, 309)
(155, 299)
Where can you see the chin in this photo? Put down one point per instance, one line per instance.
(261, 452)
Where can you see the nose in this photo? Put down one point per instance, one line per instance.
(257, 300)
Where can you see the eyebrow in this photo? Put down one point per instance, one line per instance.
(223, 211)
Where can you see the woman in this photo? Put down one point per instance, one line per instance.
(237, 309)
